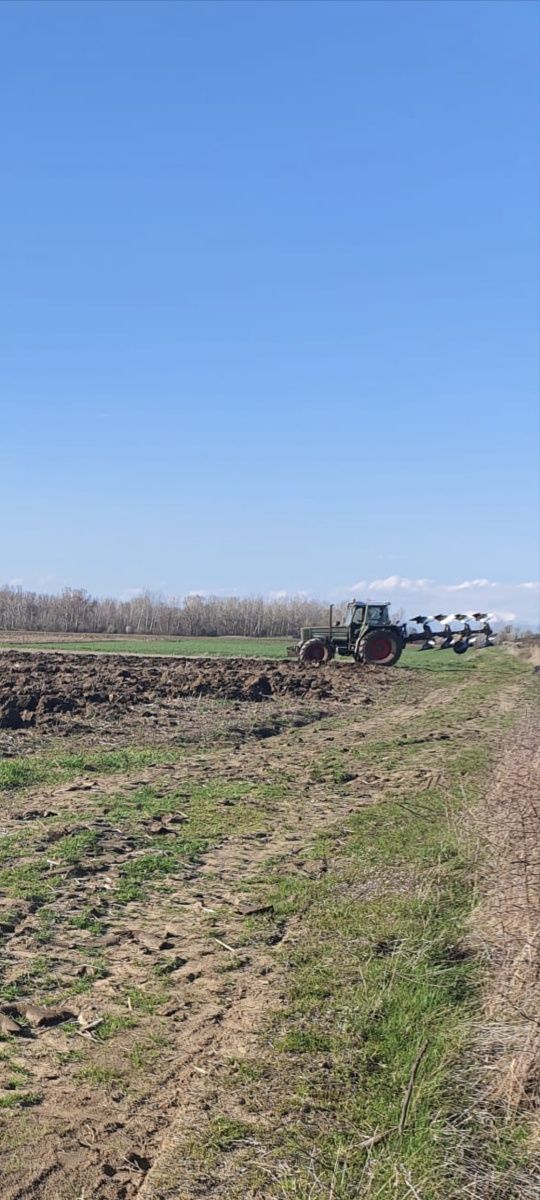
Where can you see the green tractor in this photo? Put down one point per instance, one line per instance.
(367, 634)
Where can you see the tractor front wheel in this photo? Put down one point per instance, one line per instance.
(382, 647)
(314, 652)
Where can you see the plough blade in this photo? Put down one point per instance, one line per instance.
(448, 638)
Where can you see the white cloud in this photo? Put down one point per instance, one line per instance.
(395, 583)
(16, 582)
(470, 583)
(131, 593)
(506, 602)
(283, 594)
(205, 593)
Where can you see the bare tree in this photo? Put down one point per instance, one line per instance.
(75, 611)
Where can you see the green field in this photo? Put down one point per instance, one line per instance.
(230, 647)
(225, 647)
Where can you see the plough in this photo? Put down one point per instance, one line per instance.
(458, 640)
(368, 635)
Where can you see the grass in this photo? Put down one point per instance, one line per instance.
(19, 1099)
(108, 1077)
(222, 1135)
(111, 1025)
(61, 768)
(138, 878)
(87, 919)
(382, 993)
(226, 647)
(76, 846)
(214, 810)
(28, 881)
(446, 663)
(376, 978)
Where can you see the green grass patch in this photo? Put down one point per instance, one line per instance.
(76, 846)
(220, 647)
(379, 977)
(98, 1076)
(223, 1134)
(60, 768)
(112, 1025)
(139, 876)
(17, 1099)
(87, 919)
(445, 662)
(28, 882)
(208, 812)
(210, 809)
(145, 1002)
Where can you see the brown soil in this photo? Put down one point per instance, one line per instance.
(34, 686)
(112, 698)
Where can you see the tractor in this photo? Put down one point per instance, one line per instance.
(370, 636)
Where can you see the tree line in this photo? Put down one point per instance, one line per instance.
(75, 611)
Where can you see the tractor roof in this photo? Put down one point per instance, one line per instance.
(373, 603)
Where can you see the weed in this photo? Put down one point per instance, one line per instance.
(108, 1076)
(145, 1002)
(136, 875)
(76, 846)
(111, 1025)
(223, 1134)
(87, 919)
(18, 1099)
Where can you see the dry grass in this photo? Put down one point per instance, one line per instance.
(506, 931)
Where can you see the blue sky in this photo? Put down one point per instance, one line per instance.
(270, 298)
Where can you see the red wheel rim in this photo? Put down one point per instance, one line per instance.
(379, 648)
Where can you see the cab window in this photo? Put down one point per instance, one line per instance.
(377, 614)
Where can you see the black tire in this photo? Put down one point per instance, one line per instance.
(460, 647)
(314, 652)
(380, 647)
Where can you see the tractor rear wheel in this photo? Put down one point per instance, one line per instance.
(314, 652)
(382, 647)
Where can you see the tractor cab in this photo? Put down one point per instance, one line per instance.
(370, 616)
